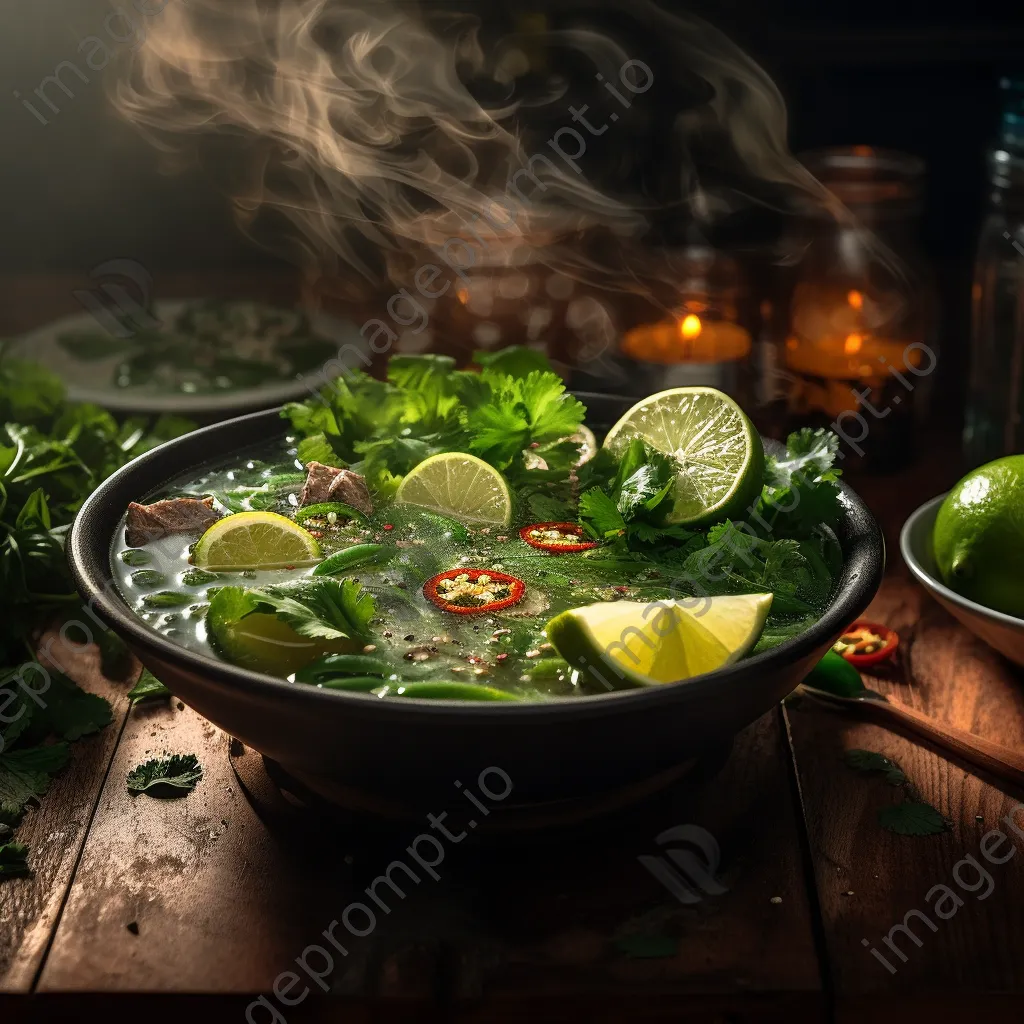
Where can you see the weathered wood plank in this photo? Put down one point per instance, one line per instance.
(55, 831)
(224, 908)
(869, 879)
(550, 935)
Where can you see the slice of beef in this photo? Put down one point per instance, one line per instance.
(327, 483)
(318, 482)
(350, 488)
(146, 523)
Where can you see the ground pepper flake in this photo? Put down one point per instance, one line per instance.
(472, 591)
(556, 538)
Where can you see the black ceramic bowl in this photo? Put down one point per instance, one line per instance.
(397, 753)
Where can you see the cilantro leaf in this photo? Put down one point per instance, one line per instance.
(324, 608)
(148, 688)
(170, 777)
(519, 412)
(546, 509)
(68, 711)
(14, 860)
(912, 818)
(316, 448)
(801, 491)
(600, 515)
(25, 776)
(515, 360)
(867, 761)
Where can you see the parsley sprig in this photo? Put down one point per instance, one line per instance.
(53, 454)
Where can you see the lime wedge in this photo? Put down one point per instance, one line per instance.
(459, 486)
(717, 450)
(255, 540)
(615, 644)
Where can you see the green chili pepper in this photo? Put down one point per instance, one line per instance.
(450, 691)
(834, 674)
(336, 666)
(337, 507)
(167, 599)
(454, 527)
(547, 668)
(358, 554)
(354, 684)
(148, 578)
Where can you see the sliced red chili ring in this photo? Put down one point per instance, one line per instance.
(434, 588)
(555, 547)
(866, 643)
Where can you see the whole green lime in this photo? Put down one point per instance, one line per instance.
(979, 536)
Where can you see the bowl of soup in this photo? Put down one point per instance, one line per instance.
(448, 671)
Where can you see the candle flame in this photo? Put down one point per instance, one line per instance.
(852, 344)
(462, 294)
(855, 299)
(690, 327)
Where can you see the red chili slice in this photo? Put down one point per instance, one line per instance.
(432, 591)
(552, 546)
(867, 643)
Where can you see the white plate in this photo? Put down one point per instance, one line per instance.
(93, 380)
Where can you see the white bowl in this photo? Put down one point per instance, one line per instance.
(1003, 632)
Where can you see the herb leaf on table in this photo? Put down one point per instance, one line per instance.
(148, 688)
(168, 777)
(14, 860)
(912, 818)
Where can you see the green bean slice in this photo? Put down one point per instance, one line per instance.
(348, 558)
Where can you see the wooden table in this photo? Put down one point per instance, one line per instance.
(204, 903)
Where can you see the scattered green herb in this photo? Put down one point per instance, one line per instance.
(911, 818)
(868, 761)
(170, 777)
(53, 454)
(148, 688)
(14, 860)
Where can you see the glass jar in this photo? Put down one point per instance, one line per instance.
(861, 348)
(691, 332)
(995, 402)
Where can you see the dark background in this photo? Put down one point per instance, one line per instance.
(916, 76)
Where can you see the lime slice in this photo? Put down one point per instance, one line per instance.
(717, 449)
(632, 643)
(255, 540)
(460, 486)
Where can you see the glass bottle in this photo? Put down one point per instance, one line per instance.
(995, 402)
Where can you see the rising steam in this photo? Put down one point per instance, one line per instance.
(383, 126)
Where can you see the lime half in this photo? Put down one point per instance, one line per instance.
(461, 487)
(631, 643)
(715, 446)
(979, 536)
(255, 540)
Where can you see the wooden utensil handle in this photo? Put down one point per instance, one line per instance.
(1000, 761)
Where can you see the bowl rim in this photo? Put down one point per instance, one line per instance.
(933, 583)
(88, 550)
